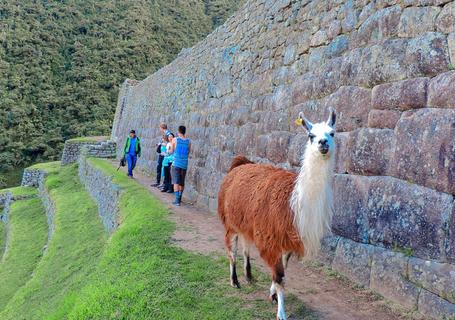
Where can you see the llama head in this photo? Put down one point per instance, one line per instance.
(321, 136)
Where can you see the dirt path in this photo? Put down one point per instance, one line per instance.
(331, 296)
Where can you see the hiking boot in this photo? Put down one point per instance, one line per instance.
(164, 190)
(170, 191)
(155, 184)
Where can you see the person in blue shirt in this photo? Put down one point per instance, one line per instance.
(180, 147)
(132, 150)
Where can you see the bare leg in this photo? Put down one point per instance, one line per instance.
(231, 245)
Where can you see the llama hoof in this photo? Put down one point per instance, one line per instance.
(250, 280)
(235, 284)
(273, 298)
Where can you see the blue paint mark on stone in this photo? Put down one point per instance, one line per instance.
(228, 54)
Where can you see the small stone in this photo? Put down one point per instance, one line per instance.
(382, 119)
(334, 29)
(319, 38)
(451, 44)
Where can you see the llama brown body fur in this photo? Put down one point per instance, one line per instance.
(253, 203)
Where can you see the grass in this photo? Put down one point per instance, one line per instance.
(135, 274)
(27, 237)
(21, 191)
(89, 139)
(2, 238)
(72, 254)
(143, 276)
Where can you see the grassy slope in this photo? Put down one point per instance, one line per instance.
(28, 235)
(72, 254)
(143, 276)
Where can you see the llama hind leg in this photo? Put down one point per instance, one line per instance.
(246, 261)
(231, 240)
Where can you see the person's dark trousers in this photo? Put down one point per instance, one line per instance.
(167, 179)
(131, 159)
(158, 168)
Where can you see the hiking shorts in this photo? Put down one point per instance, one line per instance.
(178, 175)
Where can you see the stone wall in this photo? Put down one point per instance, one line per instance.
(98, 149)
(386, 66)
(32, 177)
(105, 193)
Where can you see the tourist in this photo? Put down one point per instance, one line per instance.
(132, 150)
(167, 163)
(180, 147)
(159, 165)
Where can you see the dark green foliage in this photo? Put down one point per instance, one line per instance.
(61, 63)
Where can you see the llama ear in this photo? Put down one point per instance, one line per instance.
(332, 118)
(305, 122)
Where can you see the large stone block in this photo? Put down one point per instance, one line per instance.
(438, 278)
(446, 19)
(371, 151)
(353, 260)
(381, 25)
(451, 44)
(277, 146)
(342, 154)
(403, 95)
(417, 20)
(382, 63)
(427, 55)
(297, 148)
(450, 246)
(352, 105)
(425, 149)
(408, 216)
(350, 217)
(388, 272)
(435, 307)
(383, 119)
(441, 91)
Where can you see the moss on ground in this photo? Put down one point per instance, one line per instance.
(27, 228)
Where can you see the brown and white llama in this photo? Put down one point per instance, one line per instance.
(278, 211)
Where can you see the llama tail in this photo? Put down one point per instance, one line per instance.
(238, 161)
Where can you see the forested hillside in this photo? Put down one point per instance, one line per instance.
(61, 63)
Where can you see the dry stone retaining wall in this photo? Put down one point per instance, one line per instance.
(100, 149)
(388, 69)
(105, 193)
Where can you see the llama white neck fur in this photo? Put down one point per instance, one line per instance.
(312, 200)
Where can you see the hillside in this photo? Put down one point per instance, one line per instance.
(61, 64)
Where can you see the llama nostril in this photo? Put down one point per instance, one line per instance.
(323, 142)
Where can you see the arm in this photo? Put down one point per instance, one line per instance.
(173, 144)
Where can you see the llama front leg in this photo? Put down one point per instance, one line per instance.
(231, 245)
(278, 289)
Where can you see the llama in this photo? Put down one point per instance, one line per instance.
(279, 212)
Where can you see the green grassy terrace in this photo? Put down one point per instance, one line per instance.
(137, 273)
(27, 233)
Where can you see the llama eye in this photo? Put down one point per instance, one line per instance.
(332, 134)
(311, 136)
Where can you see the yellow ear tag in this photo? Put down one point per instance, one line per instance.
(299, 121)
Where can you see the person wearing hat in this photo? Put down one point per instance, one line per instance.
(132, 150)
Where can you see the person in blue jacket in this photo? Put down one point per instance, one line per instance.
(132, 150)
